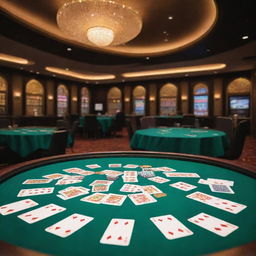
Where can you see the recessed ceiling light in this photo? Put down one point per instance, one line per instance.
(31, 71)
(147, 58)
(245, 37)
(166, 40)
(123, 80)
(69, 49)
(67, 69)
(186, 74)
(15, 59)
(37, 73)
(208, 50)
(21, 68)
(53, 75)
(170, 18)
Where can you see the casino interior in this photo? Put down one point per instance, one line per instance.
(111, 87)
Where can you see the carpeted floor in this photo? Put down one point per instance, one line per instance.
(121, 143)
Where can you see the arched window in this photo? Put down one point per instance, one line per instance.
(62, 100)
(3, 96)
(84, 101)
(34, 98)
(139, 94)
(200, 100)
(114, 100)
(168, 99)
(238, 92)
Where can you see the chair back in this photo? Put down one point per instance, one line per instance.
(188, 120)
(237, 143)
(225, 124)
(118, 122)
(62, 125)
(129, 129)
(91, 123)
(58, 143)
(73, 132)
(4, 122)
(148, 122)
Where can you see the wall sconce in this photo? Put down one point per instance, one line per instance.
(17, 94)
(152, 98)
(217, 96)
(74, 99)
(126, 99)
(50, 97)
(184, 98)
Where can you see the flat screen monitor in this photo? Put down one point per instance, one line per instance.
(98, 107)
(239, 102)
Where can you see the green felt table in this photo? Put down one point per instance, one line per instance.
(26, 140)
(181, 140)
(146, 238)
(105, 122)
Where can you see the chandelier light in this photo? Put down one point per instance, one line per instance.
(99, 22)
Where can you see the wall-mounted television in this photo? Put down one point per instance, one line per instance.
(239, 105)
(98, 107)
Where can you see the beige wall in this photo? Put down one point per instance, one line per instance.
(184, 96)
(50, 100)
(152, 100)
(17, 83)
(217, 96)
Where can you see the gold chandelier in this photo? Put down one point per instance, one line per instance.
(99, 22)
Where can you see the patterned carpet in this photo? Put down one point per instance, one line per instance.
(121, 143)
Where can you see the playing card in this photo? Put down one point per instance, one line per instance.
(151, 189)
(221, 182)
(93, 166)
(67, 182)
(217, 202)
(182, 175)
(170, 227)
(130, 166)
(73, 192)
(130, 188)
(100, 188)
(158, 179)
(74, 170)
(130, 174)
(183, 186)
(114, 165)
(215, 225)
(41, 213)
(166, 169)
(101, 182)
(37, 181)
(202, 181)
(17, 206)
(54, 176)
(221, 188)
(95, 198)
(69, 225)
(111, 172)
(158, 195)
(142, 198)
(118, 232)
(129, 179)
(73, 177)
(35, 191)
(114, 199)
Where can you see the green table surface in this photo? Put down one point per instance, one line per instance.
(105, 122)
(26, 140)
(181, 140)
(146, 238)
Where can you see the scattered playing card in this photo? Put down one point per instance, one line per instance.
(67, 182)
(69, 225)
(130, 166)
(158, 195)
(130, 188)
(170, 227)
(221, 188)
(93, 166)
(166, 169)
(101, 182)
(114, 199)
(114, 165)
(183, 186)
(215, 225)
(37, 181)
(41, 213)
(158, 179)
(182, 174)
(72, 192)
(17, 206)
(118, 232)
(151, 189)
(202, 181)
(142, 198)
(111, 172)
(221, 182)
(130, 174)
(217, 202)
(100, 188)
(35, 191)
(95, 198)
(54, 176)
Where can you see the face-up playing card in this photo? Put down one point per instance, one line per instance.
(217, 202)
(166, 169)
(100, 188)
(74, 170)
(183, 186)
(95, 198)
(73, 192)
(151, 189)
(93, 166)
(114, 199)
(130, 174)
(17, 206)
(114, 165)
(130, 166)
(130, 188)
(37, 181)
(202, 181)
(73, 177)
(67, 182)
(215, 225)
(159, 195)
(221, 182)
(158, 179)
(182, 175)
(41, 213)
(101, 182)
(111, 172)
(118, 232)
(69, 225)
(35, 191)
(221, 188)
(54, 176)
(142, 198)
(130, 179)
(170, 227)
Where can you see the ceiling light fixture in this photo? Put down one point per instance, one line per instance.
(14, 59)
(99, 23)
(245, 37)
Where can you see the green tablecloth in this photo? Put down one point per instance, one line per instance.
(105, 122)
(181, 140)
(26, 140)
(146, 239)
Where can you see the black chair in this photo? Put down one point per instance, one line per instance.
(237, 143)
(225, 124)
(91, 127)
(62, 125)
(4, 122)
(188, 121)
(118, 123)
(72, 133)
